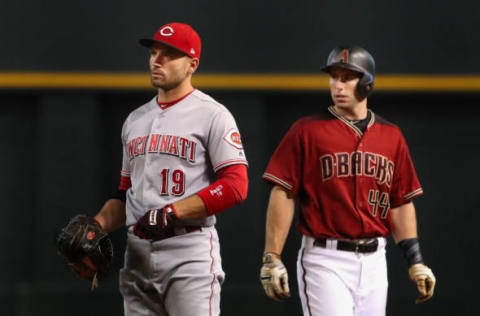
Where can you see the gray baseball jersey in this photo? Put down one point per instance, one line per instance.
(173, 153)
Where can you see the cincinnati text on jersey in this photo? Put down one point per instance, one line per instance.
(357, 163)
(162, 144)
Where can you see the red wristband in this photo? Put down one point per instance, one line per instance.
(217, 197)
(230, 189)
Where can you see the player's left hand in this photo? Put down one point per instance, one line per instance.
(156, 223)
(423, 276)
(274, 277)
(86, 248)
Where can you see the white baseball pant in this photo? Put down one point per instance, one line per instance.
(336, 282)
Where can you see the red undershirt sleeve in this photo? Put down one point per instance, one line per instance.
(121, 193)
(231, 188)
(125, 183)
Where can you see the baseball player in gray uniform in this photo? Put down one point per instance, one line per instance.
(183, 162)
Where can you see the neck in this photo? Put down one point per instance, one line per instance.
(175, 93)
(357, 112)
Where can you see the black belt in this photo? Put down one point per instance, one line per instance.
(359, 246)
(172, 232)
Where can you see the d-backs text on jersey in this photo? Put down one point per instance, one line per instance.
(357, 164)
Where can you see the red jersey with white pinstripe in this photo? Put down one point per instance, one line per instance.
(344, 180)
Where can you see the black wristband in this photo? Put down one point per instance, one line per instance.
(411, 250)
(120, 195)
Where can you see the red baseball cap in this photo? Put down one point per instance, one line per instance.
(177, 35)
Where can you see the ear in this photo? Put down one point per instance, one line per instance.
(194, 62)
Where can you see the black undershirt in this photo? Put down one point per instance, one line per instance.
(362, 124)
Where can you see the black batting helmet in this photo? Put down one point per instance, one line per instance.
(357, 59)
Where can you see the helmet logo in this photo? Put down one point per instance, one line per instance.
(167, 31)
(342, 57)
(345, 56)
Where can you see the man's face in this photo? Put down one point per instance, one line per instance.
(343, 83)
(169, 67)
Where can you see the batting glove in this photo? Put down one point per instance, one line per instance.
(156, 223)
(274, 277)
(421, 275)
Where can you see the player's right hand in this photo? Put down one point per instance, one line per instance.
(274, 277)
(155, 223)
(425, 280)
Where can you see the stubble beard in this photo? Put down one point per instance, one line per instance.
(169, 83)
(166, 85)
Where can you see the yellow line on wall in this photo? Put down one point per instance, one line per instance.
(434, 83)
(218, 81)
(67, 80)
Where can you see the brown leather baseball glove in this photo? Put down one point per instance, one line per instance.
(86, 248)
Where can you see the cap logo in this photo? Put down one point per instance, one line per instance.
(167, 31)
(192, 51)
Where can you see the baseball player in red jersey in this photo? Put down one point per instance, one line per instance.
(351, 174)
(183, 162)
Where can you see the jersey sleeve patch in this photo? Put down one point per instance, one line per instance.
(233, 138)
